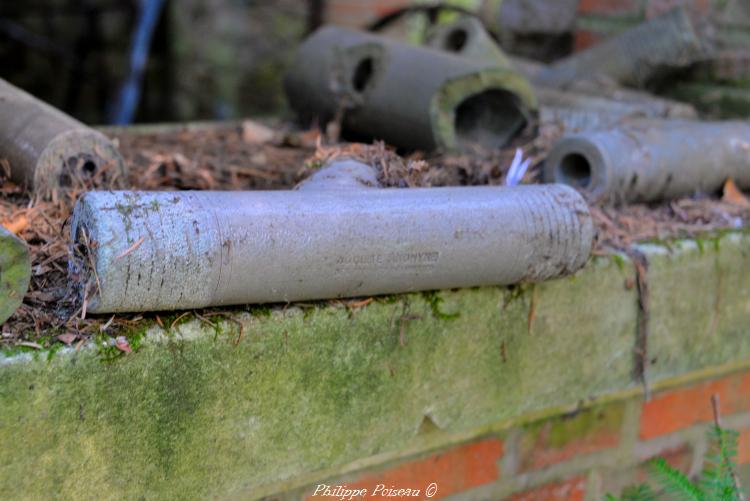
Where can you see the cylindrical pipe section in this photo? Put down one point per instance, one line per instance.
(48, 150)
(411, 97)
(15, 273)
(575, 112)
(180, 250)
(648, 160)
(467, 37)
(634, 56)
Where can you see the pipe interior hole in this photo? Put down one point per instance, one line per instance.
(89, 167)
(363, 74)
(456, 40)
(575, 170)
(489, 119)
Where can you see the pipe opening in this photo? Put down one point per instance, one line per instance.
(456, 40)
(89, 167)
(575, 170)
(489, 119)
(363, 74)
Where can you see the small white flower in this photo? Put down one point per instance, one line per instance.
(517, 169)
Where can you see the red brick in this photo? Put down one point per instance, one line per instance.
(360, 12)
(678, 409)
(697, 8)
(610, 7)
(560, 439)
(570, 490)
(743, 447)
(453, 471)
(585, 39)
(680, 458)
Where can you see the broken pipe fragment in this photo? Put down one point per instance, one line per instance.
(649, 160)
(634, 56)
(337, 235)
(15, 273)
(48, 149)
(411, 97)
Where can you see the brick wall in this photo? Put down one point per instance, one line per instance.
(580, 455)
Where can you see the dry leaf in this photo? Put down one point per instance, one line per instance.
(17, 225)
(734, 196)
(121, 342)
(67, 338)
(256, 133)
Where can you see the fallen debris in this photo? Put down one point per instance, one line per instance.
(336, 236)
(412, 97)
(49, 150)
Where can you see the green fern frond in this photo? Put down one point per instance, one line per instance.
(675, 482)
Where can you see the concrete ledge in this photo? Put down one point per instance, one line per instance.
(310, 392)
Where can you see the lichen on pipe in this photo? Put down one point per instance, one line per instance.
(47, 149)
(634, 56)
(15, 273)
(411, 97)
(343, 238)
(648, 160)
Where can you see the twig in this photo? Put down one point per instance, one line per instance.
(131, 248)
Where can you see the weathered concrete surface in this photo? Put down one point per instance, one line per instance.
(312, 391)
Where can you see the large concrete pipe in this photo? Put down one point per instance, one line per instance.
(634, 56)
(337, 236)
(644, 160)
(411, 97)
(15, 273)
(47, 149)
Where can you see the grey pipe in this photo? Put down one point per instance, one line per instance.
(411, 97)
(594, 107)
(575, 112)
(15, 273)
(633, 56)
(467, 37)
(645, 160)
(179, 250)
(47, 149)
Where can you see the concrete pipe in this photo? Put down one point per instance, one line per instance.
(411, 97)
(47, 149)
(575, 112)
(336, 236)
(468, 38)
(634, 56)
(648, 160)
(15, 273)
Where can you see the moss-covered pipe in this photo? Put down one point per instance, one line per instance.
(47, 149)
(411, 97)
(336, 236)
(15, 273)
(646, 160)
(633, 56)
